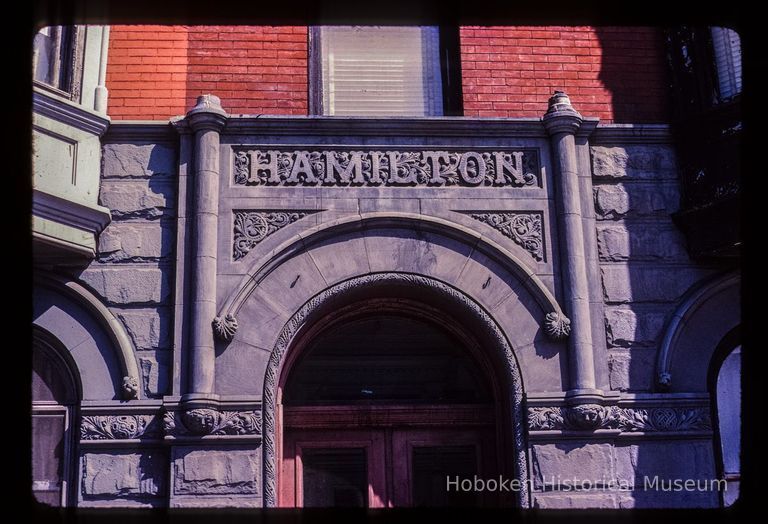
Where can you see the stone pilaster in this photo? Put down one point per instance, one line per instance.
(561, 122)
(206, 120)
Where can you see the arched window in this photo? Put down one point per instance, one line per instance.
(54, 399)
(728, 398)
(386, 359)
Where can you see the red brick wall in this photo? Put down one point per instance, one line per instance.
(147, 72)
(614, 73)
(155, 72)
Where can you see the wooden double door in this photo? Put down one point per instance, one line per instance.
(371, 460)
(385, 406)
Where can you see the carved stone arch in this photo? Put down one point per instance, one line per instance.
(706, 315)
(512, 259)
(95, 339)
(484, 325)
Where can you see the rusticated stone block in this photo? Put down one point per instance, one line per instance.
(629, 328)
(616, 201)
(634, 283)
(122, 241)
(572, 461)
(148, 328)
(639, 242)
(119, 474)
(129, 285)
(611, 201)
(667, 499)
(137, 199)
(138, 160)
(217, 472)
(631, 371)
(155, 371)
(571, 500)
(640, 161)
(639, 464)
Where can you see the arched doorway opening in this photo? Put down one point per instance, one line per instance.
(383, 403)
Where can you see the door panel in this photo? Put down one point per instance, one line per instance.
(427, 457)
(431, 466)
(335, 477)
(324, 468)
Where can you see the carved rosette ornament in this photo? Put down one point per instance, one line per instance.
(557, 326)
(225, 327)
(120, 427)
(523, 228)
(130, 388)
(590, 417)
(206, 421)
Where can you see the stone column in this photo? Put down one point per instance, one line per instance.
(206, 120)
(561, 122)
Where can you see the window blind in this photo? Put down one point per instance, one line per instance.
(727, 47)
(381, 71)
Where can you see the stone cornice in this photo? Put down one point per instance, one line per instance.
(64, 211)
(139, 130)
(384, 126)
(520, 128)
(69, 113)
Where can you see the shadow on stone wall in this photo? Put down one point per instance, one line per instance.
(645, 273)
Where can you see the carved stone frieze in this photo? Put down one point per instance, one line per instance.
(387, 168)
(589, 417)
(118, 427)
(525, 229)
(251, 227)
(205, 421)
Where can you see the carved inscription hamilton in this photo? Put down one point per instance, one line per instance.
(387, 168)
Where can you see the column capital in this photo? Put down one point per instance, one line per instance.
(561, 117)
(207, 114)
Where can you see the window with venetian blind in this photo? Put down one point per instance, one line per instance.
(378, 71)
(727, 49)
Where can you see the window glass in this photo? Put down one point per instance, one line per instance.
(51, 56)
(386, 359)
(53, 398)
(729, 419)
(380, 71)
(727, 48)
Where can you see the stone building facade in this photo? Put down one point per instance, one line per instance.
(193, 353)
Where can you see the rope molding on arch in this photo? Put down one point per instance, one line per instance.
(304, 315)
